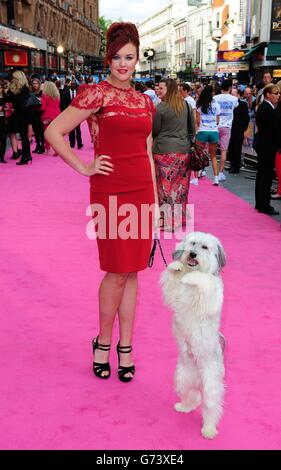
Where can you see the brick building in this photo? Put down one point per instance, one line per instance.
(31, 31)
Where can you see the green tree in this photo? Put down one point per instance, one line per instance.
(104, 25)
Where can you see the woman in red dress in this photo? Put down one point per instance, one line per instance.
(121, 174)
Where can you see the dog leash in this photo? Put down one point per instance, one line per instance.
(152, 254)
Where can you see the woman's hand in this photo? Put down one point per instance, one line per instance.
(157, 219)
(99, 166)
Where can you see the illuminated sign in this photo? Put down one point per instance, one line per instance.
(275, 33)
(230, 56)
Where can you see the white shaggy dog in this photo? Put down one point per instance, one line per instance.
(193, 288)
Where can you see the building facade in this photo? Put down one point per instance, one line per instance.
(31, 31)
(158, 32)
(265, 38)
(201, 48)
(181, 65)
(188, 36)
(230, 34)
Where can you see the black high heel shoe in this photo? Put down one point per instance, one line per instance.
(122, 371)
(25, 160)
(15, 155)
(98, 367)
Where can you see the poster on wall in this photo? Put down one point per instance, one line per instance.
(275, 29)
(16, 58)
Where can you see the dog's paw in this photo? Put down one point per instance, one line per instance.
(181, 408)
(175, 266)
(209, 432)
(192, 279)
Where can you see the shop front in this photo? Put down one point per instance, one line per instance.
(23, 51)
(229, 64)
(267, 55)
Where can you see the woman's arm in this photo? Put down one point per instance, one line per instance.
(156, 127)
(198, 119)
(61, 126)
(149, 151)
(192, 119)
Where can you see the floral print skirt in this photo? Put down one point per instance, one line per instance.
(173, 178)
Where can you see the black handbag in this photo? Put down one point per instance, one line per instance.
(198, 156)
(31, 101)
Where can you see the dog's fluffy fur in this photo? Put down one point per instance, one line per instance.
(193, 288)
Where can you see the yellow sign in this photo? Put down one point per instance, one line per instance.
(232, 56)
(277, 73)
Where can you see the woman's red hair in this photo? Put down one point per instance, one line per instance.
(117, 36)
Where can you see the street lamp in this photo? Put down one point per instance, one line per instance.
(149, 55)
(60, 50)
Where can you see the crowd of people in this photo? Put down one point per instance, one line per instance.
(219, 115)
(27, 107)
(222, 113)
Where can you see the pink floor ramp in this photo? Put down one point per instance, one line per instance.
(50, 398)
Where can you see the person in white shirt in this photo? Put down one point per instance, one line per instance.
(208, 118)
(185, 90)
(151, 93)
(227, 103)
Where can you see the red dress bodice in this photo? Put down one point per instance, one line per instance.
(121, 122)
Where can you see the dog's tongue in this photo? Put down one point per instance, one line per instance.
(192, 262)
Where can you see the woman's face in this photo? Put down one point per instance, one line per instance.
(162, 90)
(35, 85)
(123, 63)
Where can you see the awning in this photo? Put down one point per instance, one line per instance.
(274, 50)
(251, 51)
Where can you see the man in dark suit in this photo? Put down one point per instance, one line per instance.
(66, 99)
(266, 143)
(239, 126)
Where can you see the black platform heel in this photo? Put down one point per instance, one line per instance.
(122, 371)
(98, 367)
(25, 160)
(16, 155)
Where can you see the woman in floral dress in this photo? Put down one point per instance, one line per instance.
(171, 148)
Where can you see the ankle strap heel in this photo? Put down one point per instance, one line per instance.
(98, 367)
(122, 371)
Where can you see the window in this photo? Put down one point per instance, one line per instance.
(218, 20)
(210, 55)
(210, 27)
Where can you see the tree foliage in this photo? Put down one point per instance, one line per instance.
(104, 25)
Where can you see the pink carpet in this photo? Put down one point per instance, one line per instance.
(50, 398)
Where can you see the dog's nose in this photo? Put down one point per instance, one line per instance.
(192, 254)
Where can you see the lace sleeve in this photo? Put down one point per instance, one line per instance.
(89, 98)
(150, 106)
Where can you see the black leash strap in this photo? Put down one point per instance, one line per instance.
(152, 254)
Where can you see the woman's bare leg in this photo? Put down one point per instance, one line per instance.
(213, 155)
(14, 142)
(110, 296)
(126, 313)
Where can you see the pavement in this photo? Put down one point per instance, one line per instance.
(243, 185)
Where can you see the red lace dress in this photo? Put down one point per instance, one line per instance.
(121, 122)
